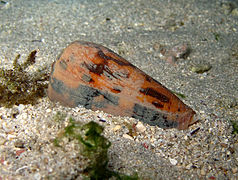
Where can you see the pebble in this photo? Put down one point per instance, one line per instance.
(189, 166)
(21, 107)
(127, 137)
(37, 176)
(48, 110)
(234, 170)
(2, 141)
(224, 145)
(185, 137)
(203, 172)
(234, 12)
(116, 128)
(171, 59)
(173, 161)
(201, 68)
(19, 144)
(11, 136)
(140, 127)
(180, 51)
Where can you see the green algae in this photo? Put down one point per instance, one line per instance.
(95, 148)
(217, 36)
(20, 87)
(235, 127)
(179, 94)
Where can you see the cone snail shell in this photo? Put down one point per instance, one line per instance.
(94, 76)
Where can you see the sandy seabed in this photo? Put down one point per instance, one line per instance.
(140, 31)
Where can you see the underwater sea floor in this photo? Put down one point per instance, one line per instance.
(191, 47)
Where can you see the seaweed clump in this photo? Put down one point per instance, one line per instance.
(235, 127)
(95, 148)
(20, 87)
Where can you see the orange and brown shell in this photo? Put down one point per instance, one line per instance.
(94, 76)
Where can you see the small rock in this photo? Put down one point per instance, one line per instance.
(203, 172)
(21, 107)
(127, 136)
(201, 68)
(37, 176)
(116, 128)
(185, 137)
(48, 110)
(156, 46)
(234, 12)
(171, 59)
(234, 170)
(2, 141)
(140, 127)
(173, 161)
(189, 166)
(180, 51)
(232, 151)
(224, 145)
(19, 144)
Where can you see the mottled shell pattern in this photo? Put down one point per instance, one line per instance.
(94, 76)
